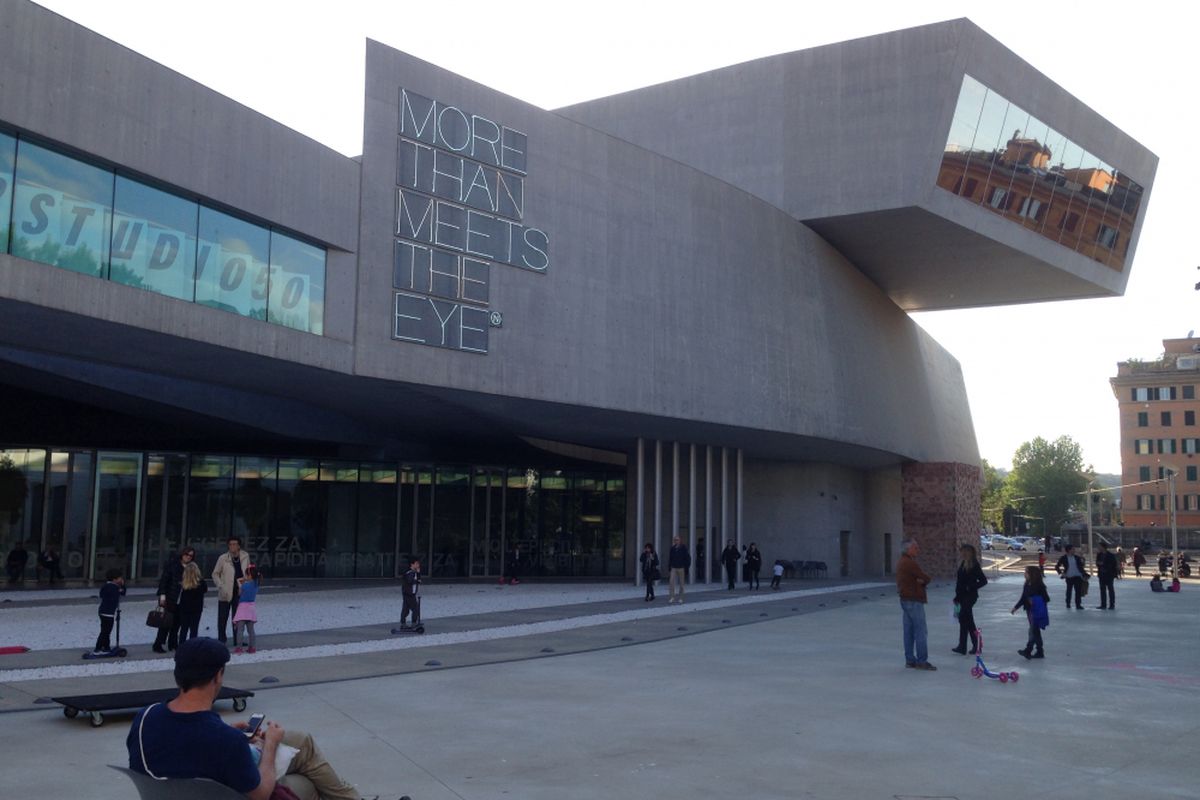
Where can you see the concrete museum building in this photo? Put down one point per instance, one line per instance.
(681, 309)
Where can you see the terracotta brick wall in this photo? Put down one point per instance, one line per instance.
(941, 510)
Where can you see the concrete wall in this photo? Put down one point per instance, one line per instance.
(669, 294)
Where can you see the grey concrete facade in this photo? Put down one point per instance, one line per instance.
(690, 295)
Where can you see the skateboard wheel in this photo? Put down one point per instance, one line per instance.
(239, 704)
(97, 719)
(1004, 677)
(70, 713)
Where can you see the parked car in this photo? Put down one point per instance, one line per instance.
(1000, 543)
(985, 541)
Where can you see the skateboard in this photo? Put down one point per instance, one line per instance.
(980, 670)
(112, 652)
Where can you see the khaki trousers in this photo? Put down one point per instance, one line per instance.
(310, 764)
(676, 577)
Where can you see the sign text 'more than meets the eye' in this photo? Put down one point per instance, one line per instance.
(460, 208)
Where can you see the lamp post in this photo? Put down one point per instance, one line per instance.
(1089, 521)
(1174, 528)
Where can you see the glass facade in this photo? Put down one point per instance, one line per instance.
(65, 212)
(308, 518)
(1001, 157)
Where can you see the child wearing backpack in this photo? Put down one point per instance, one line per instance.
(1035, 600)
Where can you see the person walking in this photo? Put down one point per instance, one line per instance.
(1139, 559)
(1122, 558)
(729, 557)
(170, 584)
(191, 602)
(753, 566)
(911, 581)
(1106, 573)
(650, 572)
(1036, 602)
(968, 581)
(512, 563)
(247, 612)
(1070, 569)
(410, 590)
(679, 561)
(229, 570)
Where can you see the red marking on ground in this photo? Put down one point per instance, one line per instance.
(1155, 674)
(10, 651)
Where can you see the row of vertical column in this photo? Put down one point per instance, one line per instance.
(716, 532)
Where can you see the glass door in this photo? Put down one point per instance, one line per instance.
(487, 520)
(116, 514)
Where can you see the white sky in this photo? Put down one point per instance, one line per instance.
(1036, 370)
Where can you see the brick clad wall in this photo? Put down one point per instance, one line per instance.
(941, 510)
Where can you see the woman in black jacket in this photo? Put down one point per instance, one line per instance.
(753, 566)
(970, 579)
(170, 584)
(650, 571)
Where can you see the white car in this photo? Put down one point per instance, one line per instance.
(1001, 543)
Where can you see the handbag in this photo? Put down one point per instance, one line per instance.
(159, 618)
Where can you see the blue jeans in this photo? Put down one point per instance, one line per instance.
(914, 632)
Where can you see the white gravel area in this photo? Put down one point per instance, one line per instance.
(36, 596)
(455, 596)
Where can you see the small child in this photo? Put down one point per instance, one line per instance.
(110, 604)
(776, 573)
(1174, 585)
(247, 615)
(412, 594)
(1156, 584)
(1034, 590)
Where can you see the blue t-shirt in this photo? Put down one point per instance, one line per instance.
(195, 745)
(249, 592)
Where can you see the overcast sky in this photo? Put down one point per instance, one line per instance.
(1035, 370)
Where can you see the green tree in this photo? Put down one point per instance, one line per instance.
(1048, 479)
(993, 495)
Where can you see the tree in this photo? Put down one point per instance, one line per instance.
(992, 496)
(1048, 479)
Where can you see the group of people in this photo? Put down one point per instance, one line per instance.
(48, 562)
(679, 561)
(911, 581)
(181, 592)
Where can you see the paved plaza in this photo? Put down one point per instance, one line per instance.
(797, 694)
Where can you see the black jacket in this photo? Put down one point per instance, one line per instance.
(730, 556)
(110, 599)
(967, 584)
(1106, 565)
(170, 583)
(679, 557)
(411, 583)
(1061, 566)
(191, 601)
(1029, 592)
(650, 564)
(754, 560)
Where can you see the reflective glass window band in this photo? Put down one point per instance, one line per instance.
(232, 264)
(8, 159)
(154, 240)
(1017, 166)
(296, 293)
(61, 210)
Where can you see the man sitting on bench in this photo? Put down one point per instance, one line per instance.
(185, 738)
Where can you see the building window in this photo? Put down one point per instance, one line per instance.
(74, 215)
(1189, 418)
(1189, 392)
(1191, 473)
(1142, 447)
(1191, 502)
(1001, 199)
(1068, 222)
(1166, 419)
(1143, 473)
(1166, 446)
(1166, 392)
(1143, 419)
(1145, 502)
(1140, 394)
(1190, 446)
(1106, 236)
(1032, 209)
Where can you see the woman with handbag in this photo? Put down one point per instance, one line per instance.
(170, 584)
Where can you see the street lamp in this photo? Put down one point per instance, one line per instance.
(1089, 520)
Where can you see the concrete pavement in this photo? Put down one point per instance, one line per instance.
(813, 703)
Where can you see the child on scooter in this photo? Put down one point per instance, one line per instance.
(110, 602)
